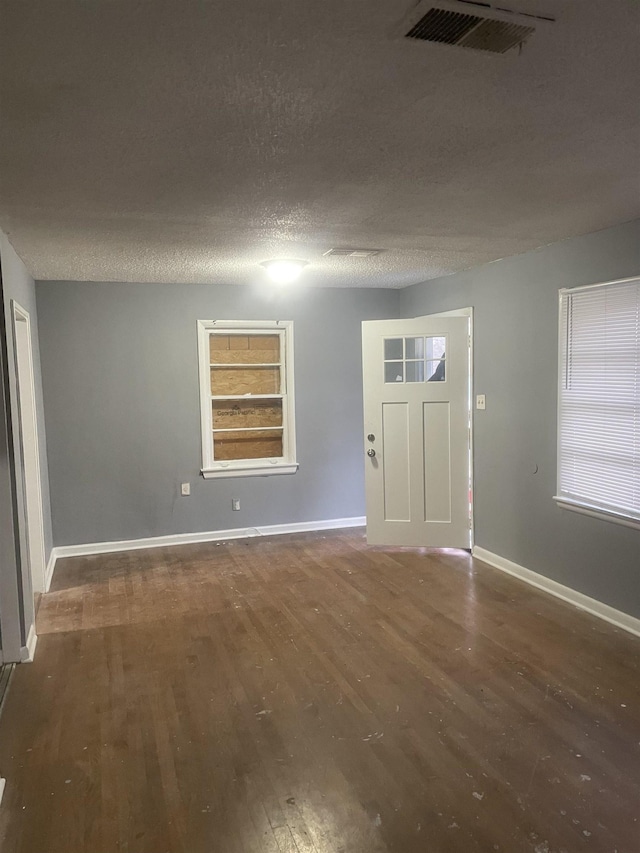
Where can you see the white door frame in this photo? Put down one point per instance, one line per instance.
(29, 445)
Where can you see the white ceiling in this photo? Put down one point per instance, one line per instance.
(186, 140)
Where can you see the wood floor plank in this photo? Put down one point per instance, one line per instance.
(309, 694)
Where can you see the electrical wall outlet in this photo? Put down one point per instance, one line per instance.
(235, 504)
(185, 489)
(481, 402)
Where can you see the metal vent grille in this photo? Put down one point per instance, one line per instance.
(353, 253)
(448, 27)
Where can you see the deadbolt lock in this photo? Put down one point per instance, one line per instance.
(371, 437)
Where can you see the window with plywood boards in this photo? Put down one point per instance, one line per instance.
(246, 390)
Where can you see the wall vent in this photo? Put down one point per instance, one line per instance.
(353, 253)
(479, 26)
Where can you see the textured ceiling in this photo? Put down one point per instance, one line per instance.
(185, 141)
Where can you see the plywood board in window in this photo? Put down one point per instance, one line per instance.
(245, 356)
(218, 342)
(244, 349)
(235, 414)
(266, 343)
(249, 380)
(266, 444)
(238, 342)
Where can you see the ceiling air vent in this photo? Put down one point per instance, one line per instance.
(353, 253)
(475, 25)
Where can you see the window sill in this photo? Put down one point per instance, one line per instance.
(597, 512)
(249, 470)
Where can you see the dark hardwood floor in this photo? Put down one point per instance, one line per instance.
(308, 694)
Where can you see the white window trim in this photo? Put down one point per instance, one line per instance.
(596, 511)
(250, 467)
(564, 501)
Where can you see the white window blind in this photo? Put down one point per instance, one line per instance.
(599, 399)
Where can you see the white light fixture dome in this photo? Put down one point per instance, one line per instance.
(284, 271)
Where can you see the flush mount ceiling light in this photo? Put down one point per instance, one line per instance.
(284, 271)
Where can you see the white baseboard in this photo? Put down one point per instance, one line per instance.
(191, 538)
(28, 652)
(48, 573)
(566, 593)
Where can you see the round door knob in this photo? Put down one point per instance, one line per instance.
(371, 452)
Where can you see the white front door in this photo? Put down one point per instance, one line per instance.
(417, 431)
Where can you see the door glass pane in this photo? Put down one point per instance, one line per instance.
(393, 348)
(436, 370)
(414, 347)
(415, 371)
(393, 371)
(436, 347)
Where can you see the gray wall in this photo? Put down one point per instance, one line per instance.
(121, 398)
(515, 305)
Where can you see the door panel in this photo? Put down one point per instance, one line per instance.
(436, 424)
(396, 473)
(416, 407)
